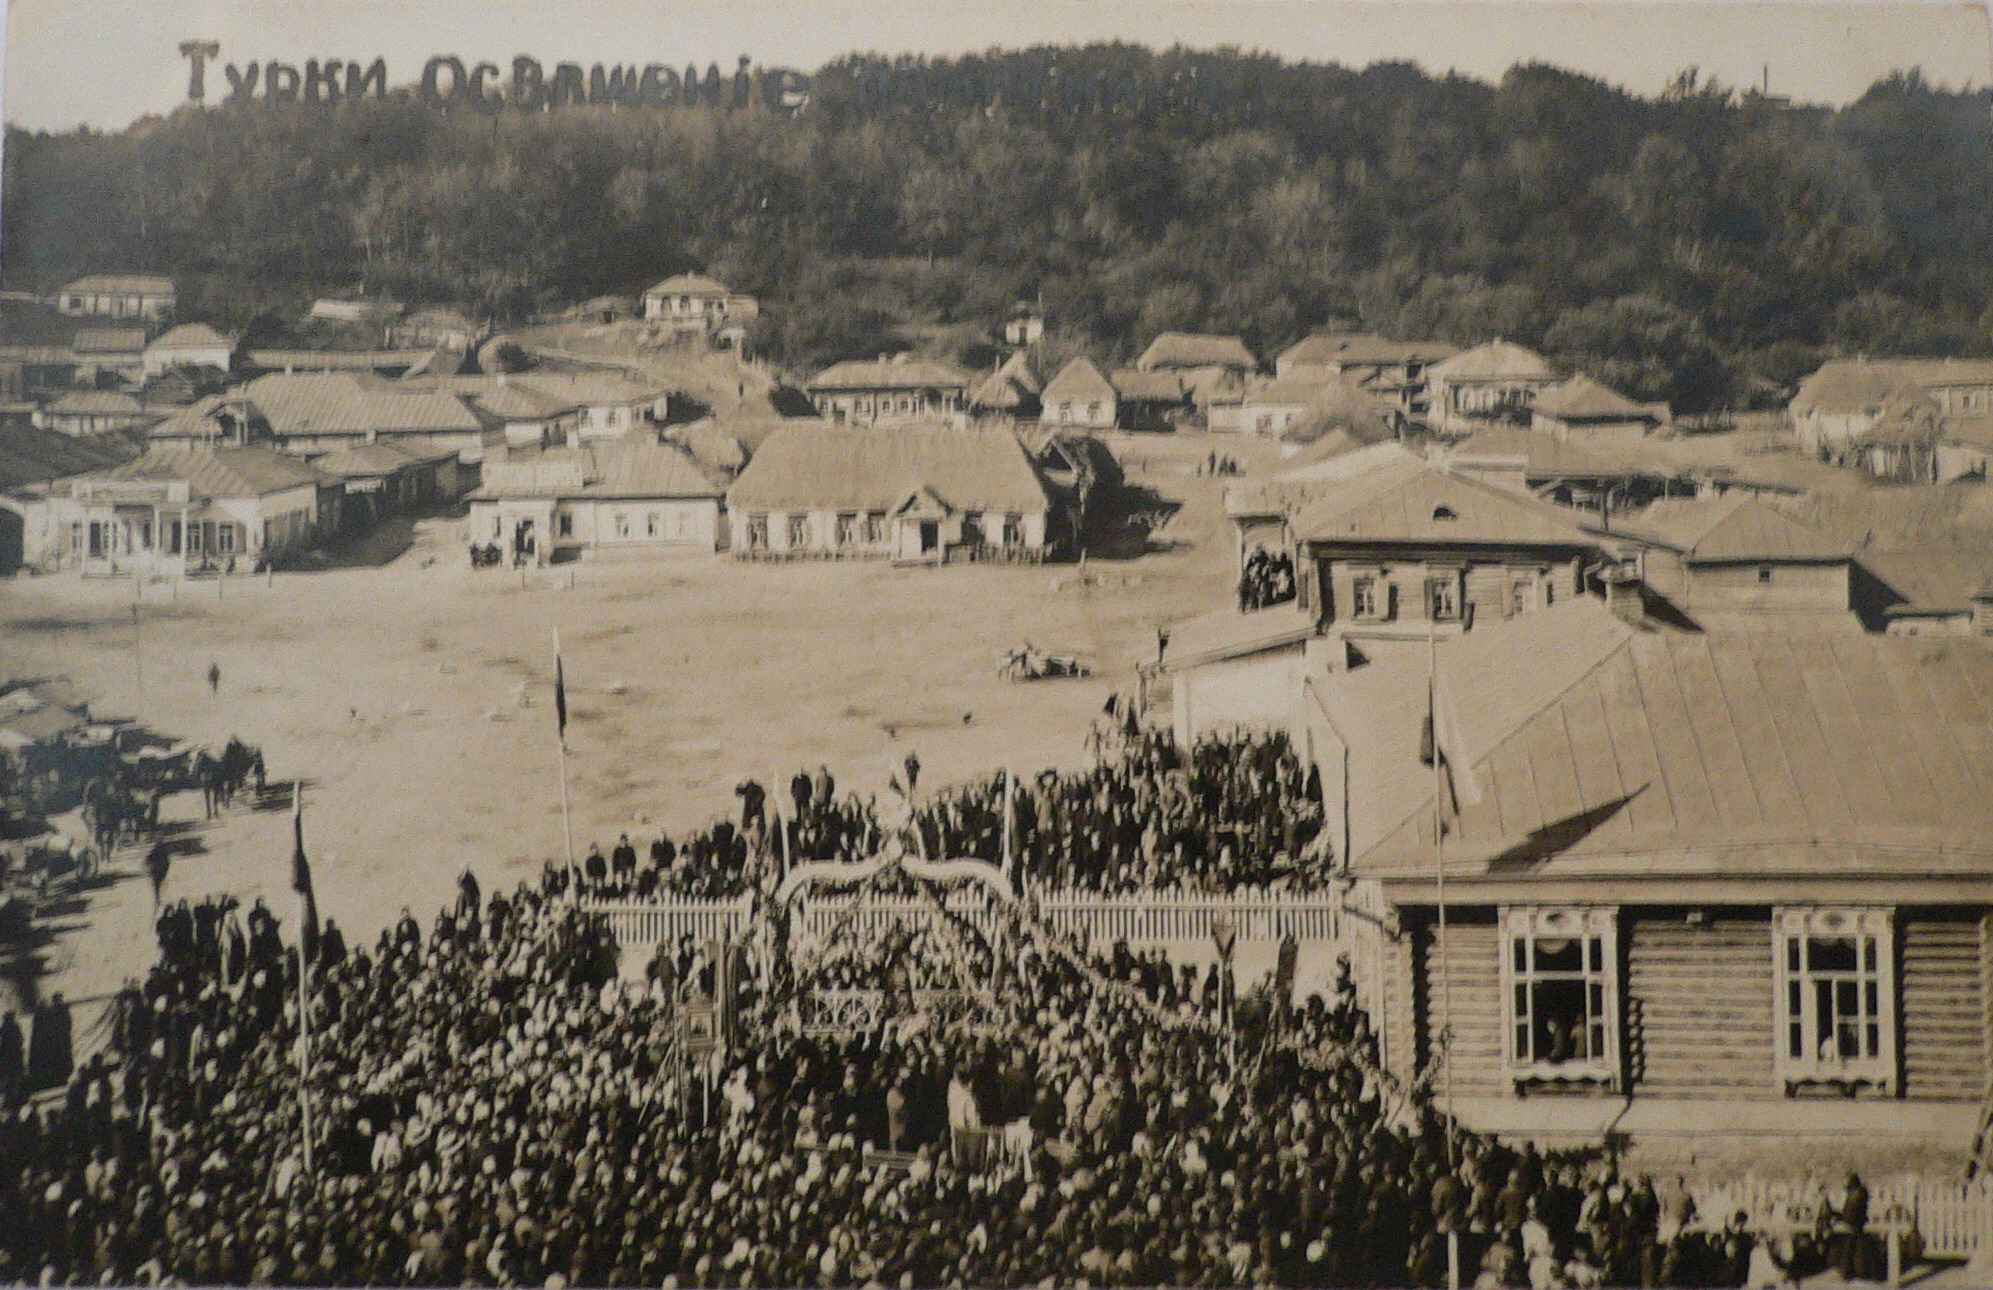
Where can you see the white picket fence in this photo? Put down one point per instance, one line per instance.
(1953, 1219)
(1147, 919)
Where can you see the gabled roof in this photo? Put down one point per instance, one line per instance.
(1583, 399)
(29, 455)
(1600, 752)
(1019, 368)
(1545, 456)
(1294, 391)
(1189, 349)
(110, 340)
(97, 403)
(1148, 387)
(320, 403)
(195, 420)
(1231, 633)
(1498, 360)
(690, 284)
(890, 374)
(1364, 349)
(1858, 385)
(122, 284)
(220, 472)
(999, 391)
(375, 459)
(633, 466)
(1078, 382)
(1416, 501)
(1321, 476)
(824, 467)
(192, 336)
(1733, 529)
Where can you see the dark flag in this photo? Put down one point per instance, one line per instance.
(560, 694)
(301, 879)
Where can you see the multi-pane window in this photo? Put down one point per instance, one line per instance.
(1836, 995)
(1013, 529)
(1367, 598)
(1443, 597)
(799, 530)
(651, 526)
(622, 525)
(847, 530)
(875, 528)
(1560, 969)
(1522, 594)
(757, 532)
(564, 527)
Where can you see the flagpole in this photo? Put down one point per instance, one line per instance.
(560, 744)
(306, 914)
(1439, 877)
(779, 841)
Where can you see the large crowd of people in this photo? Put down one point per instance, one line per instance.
(1231, 813)
(489, 1103)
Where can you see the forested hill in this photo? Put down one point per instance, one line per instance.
(1696, 246)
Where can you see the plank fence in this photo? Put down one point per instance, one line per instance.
(1952, 1219)
(1146, 919)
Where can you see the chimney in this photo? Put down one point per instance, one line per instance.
(1622, 593)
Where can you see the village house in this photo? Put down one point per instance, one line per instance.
(1025, 327)
(382, 480)
(437, 328)
(1214, 370)
(1280, 407)
(1413, 549)
(176, 511)
(694, 304)
(1012, 391)
(888, 390)
(1389, 551)
(1739, 561)
(1585, 410)
(545, 407)
(1912, 420)
(1714, 889)
(87, 412)
(596, 497)
(1392, 370)
(926, 494)
(1150, 402)
(1491, 384)
(118, 295)
(1604, 476)
(317, 413)
(1079, 396)
(189, 345)
(36, 459)
(113, 352)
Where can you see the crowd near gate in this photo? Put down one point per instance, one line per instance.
(1146, 920)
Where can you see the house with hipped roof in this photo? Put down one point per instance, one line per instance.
(917, 494)
(694, 304)
(177, 511)
(1491, 384)
(595, 498)
(1392, 370)
(888, 390)
(1390, 551)
(190, 345)
(1740, 561)
(1724, 889)
(1215, 372)
(1586, 410)
(118, 295)
(90, 412)
(317, 412)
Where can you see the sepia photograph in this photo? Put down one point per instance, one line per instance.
(885, 644)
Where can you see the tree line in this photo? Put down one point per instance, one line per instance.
(1702, 245)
